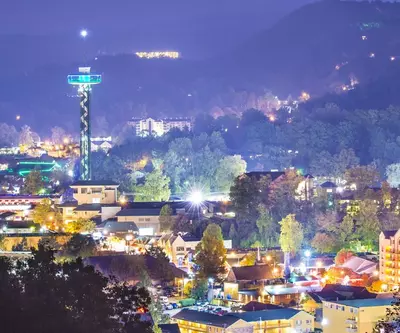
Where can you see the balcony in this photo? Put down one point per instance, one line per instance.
(351, 321)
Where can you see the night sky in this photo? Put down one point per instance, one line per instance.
(215, 23)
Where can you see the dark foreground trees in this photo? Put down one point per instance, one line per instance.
(39, 295)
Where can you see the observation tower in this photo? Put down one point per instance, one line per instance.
(84, 80)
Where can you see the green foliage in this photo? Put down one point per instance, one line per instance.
(337, 234)
(323, 243)
(34, 183)
(78, 246)
(110, 167)
(367, 224)
(164, 270)
(194, 161)
(155, 188)
(210, 253)
(228, 169)
(291, 236)
(342, 256)
(391, 322)
(8, 135)
(74, 297)
(199, 289)
(22, 246)
(246, 194)
(3, 243)
(158, 315)
(249, 259)
(182, 224)
(282, 195)
(125, 267)
(81, 225)
(187, 288)
(50, 243)
(362, 177)
(47, 216)
(393, 174)
(267, 227)
(166, 218)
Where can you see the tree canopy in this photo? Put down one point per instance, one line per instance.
(210, 255)
(291, 237)
(68, 297)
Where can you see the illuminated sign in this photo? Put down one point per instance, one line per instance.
(78, 79)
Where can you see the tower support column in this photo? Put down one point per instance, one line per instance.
(85, 132)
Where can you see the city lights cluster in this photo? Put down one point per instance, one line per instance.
(158, 54)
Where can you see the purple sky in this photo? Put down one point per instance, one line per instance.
(57, 16)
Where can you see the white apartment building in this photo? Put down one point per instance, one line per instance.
(159, 127)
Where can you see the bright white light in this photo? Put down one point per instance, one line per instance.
(70, 173)
(211, 280)
(196, 197)
(324, 322)
(129, 237)
(84, 33)
(307, 253)
(96, 235)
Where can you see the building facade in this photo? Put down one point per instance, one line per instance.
(389, 258)
(159, 127)
(270, 321)
(354, 316)
(95, 192)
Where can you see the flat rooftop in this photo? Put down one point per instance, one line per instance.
(364, 303)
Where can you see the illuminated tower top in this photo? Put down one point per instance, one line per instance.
(84, 77)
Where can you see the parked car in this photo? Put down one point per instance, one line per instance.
(174, 305)
(169, 306)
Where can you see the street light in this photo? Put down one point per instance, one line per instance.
(196, 197)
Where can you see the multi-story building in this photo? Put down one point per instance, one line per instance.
(95, 192)
(274, 320)
(354, 316)
(389, 258)
(158, 127)
(92, 199)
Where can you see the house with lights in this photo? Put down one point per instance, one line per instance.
(180, 248)
(274, 320)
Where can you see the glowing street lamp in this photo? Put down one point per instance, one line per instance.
(196, 197)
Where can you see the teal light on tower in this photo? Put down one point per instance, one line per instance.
(84, 81)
